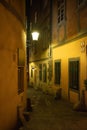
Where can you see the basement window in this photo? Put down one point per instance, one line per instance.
(74, 74)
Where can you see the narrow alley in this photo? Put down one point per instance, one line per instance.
(51, 114)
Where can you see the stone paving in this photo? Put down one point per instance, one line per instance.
(51, 114)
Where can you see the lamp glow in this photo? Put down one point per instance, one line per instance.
(35, 35)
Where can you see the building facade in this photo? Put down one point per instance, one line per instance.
(12, 61)
(59, 61)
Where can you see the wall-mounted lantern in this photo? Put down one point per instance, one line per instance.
(35, 35)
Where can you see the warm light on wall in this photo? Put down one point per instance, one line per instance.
(35, 35)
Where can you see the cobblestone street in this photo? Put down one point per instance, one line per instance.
(51, 114)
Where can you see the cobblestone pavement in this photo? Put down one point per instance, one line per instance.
(51, 114)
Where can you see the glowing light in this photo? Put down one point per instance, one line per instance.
(35, 35)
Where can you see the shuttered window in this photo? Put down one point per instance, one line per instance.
(57, 72)
(74, 74)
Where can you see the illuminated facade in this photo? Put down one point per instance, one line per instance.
(59, 59)
(12, 61)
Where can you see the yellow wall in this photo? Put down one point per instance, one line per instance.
(64, 52)
(66, 42)
(12, 36)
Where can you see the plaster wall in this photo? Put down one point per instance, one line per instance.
(12, 36)
(64, 53)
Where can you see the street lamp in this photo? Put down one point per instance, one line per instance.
(35, 35)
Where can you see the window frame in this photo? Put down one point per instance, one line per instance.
(74, 70)
(81, 3)
(40, 72)
(57, 73)
(61, 11)
(31, 72)
(44, 72)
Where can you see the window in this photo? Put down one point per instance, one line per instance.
(40, 72)
(20, 79)
(44, 73)
(45, 3)
(31, 72)
(74, 74)
(50, 69)
(57, 72)
(61, 10)
(81, 3)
